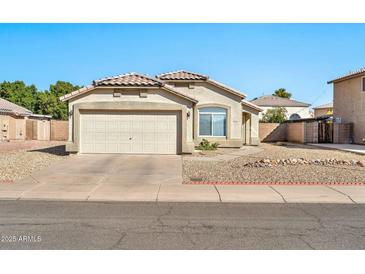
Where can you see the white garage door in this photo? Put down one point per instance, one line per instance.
(129, 132)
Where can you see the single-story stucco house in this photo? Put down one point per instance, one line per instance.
(19, 123)
(323, 110)
(295, 109)
(167, 114)
(349, 102)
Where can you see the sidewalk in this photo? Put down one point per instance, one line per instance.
(187, 193)
(359, 149)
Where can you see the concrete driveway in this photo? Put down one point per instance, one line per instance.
(101, 177)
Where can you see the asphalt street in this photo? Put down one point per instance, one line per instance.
(134, 225)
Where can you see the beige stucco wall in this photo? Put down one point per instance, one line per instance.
(252, 125)
(349, 105)
(208, 94)
(303, 112)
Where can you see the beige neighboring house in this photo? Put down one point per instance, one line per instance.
(323, 110)
(167, 114)
(15, 120)
(295, 109)
(349, 102)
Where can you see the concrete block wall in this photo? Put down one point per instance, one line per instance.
(296, 132)
(343, 133)
(304, 132)
(311, 132)
(272, 132)
(59, 130)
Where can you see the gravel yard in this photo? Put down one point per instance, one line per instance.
(19, 159)
(235, 171)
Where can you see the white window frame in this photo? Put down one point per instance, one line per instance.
(212, 113)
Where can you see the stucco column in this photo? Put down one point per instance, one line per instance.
(255, 139)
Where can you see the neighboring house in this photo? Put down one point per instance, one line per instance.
(322, 110)
(167, 114)
(349, 102)
(295, 109)
(14, 121)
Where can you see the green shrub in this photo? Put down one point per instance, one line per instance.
(206, 145)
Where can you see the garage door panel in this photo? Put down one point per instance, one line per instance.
(162, 137)
(99, 137)
(111, 148)
(149, 137)
(88, 147)
(124, 148)
(149, 126)
(100, 126)
(100, 148)
(129, 132)
(112, 126)
(112, 137)
(137, 125)
(124, 125)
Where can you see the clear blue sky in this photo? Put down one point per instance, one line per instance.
(254, 58)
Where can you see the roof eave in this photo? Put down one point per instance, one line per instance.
(344, 78)
(251, 105)
(226, 88)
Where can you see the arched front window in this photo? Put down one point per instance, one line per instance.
(294, 116)
(212, 122)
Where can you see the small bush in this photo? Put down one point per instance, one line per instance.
(206, 145)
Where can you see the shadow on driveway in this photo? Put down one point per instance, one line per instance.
(55, 150)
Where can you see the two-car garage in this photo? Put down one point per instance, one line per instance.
(144, 132)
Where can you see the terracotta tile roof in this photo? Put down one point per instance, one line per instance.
(77, 92)
(11, 108)
(276, 101)
(329, 105)
(129, 79)
(351, 74)
(181, 75)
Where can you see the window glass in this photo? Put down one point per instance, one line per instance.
(205, 124)
(212, 121)
(294, 116)
(363, 83)
(219, 125)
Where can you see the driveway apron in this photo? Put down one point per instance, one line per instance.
(104, 177)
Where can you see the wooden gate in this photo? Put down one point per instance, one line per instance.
(325, 132)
